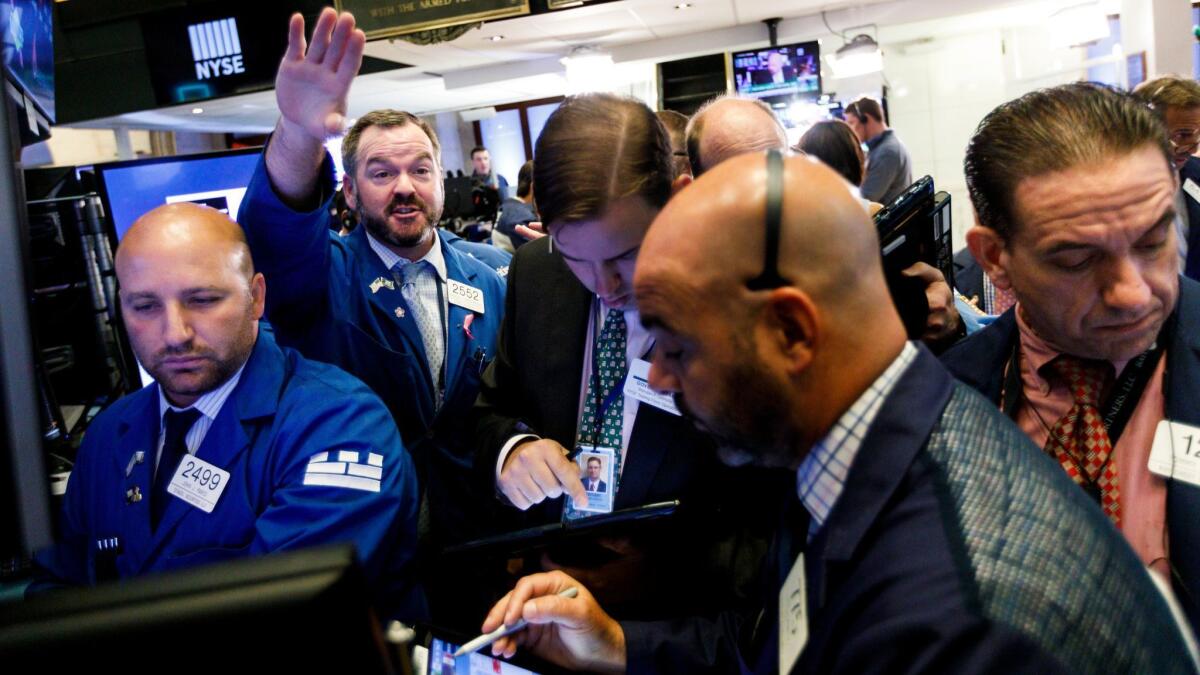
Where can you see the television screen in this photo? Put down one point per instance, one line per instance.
(129, 189)
(787, 70)
(27, 44)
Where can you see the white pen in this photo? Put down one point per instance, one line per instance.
(488, 638)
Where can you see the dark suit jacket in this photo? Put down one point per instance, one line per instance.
(1192, 170)
(955, 547)
(979, 361)
(533, 386)
(968, 276)
(602, 487)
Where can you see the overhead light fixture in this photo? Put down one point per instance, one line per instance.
(860, 56)
(588, 70)
(683, 5)
(197, 111)
(1079, 25)
(496, 38)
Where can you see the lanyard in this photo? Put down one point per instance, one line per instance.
(1127, 389)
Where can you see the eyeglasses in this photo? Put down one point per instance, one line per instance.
(1184, 138)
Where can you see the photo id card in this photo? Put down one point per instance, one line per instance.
(596, 470)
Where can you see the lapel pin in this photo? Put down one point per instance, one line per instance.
(380, 282)
(399, 312)
(133, 495)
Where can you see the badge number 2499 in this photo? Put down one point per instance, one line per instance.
(198, 483)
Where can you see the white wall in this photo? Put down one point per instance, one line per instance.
(76, 147)
(945, 75)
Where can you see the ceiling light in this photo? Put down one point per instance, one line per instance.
(859, 56)
(496, 38)
(683, 5)
(197, 111)
(588, 70)
(1078, 25)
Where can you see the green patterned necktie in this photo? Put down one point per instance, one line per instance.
(600, 425)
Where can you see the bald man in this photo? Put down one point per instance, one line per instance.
(728, 126)
(926, 533)
(240, 447)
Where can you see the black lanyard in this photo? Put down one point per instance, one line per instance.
(1122, 398)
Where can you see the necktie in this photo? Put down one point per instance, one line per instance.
(429, 321)
(1079, 440)
(178, 423)
(604, 403)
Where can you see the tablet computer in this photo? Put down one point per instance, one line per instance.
(434, 655)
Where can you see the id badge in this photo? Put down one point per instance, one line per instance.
(596, 465)
(199, 483)
(1175, 454)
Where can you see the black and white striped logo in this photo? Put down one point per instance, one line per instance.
(216, 49)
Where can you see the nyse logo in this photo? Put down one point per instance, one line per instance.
(216, 49)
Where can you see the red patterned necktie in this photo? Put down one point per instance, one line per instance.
(1079, 440)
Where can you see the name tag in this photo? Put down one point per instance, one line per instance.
(793, 619)
(637, 386)
(467, 297)
(198, 483)
(1176, 452)
(1192, 190)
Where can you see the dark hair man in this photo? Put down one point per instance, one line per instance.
(482, 172)
(1074, 192)
(570, 345)
(276, 452)
(396, 302)
(925, 533)
(1176, 101)
(889, 167)
(728, 126)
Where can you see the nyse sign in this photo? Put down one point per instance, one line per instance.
(216, 48)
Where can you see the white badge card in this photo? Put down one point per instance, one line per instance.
(596, 471)
(1176, 452)
(637, 386)
(198, 483)
(793, 617)
(1193, 190)
(467, 297)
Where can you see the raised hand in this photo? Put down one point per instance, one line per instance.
(313, 81)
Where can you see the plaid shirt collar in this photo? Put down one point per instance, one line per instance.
(822, 475)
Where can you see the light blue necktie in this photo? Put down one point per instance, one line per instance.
(419, 279)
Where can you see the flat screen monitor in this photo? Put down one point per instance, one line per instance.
(130, 189)
(786, 70)
(27, 47)
(297, 612)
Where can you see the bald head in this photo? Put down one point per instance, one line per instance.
(189, 297)
(730, 126)
(183, 227)
(828, 245)
(767, 371)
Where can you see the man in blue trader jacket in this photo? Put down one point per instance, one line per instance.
(929, 535)
(241, 447)
(392, 303)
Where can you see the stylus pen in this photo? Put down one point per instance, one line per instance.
(488, 638)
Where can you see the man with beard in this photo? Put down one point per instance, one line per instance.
(925, 533)
(241, 447)
(393, 303)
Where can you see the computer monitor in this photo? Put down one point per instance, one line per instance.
(304, 611)
(783, 71)
(27, 50)
(218, 179)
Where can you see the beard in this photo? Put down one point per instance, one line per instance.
(213, 371)
(381, 229)
(749, 424)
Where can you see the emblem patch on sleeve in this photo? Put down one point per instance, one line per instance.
(346, 469)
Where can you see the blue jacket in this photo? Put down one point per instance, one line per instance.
(1191, 170)
(955, 547)
(323, 299)
(486, 253)
(285, 411)
(979, 361)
